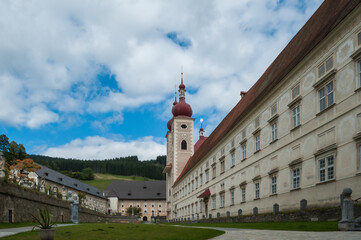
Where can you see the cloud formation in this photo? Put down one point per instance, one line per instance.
(98, 148)
(52, 53)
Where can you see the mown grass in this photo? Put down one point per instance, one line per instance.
(117, 231)
(289, 226)
(15, 225)
(102, 181)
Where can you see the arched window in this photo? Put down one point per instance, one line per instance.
(184, 145)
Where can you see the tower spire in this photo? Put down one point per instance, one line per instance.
(201, 131)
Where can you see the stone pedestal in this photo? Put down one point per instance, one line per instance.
(347, 222)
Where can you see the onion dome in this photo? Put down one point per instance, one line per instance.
(169, 124)
(182, 109)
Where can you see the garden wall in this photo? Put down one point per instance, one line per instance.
(312, 214)
(17, 204)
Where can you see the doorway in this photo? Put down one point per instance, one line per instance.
(145, 218)
(10, 216)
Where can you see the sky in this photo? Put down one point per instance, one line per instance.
(92, 79)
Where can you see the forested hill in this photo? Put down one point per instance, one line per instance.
(126, 166)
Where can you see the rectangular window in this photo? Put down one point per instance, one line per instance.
(274, 185)
(201, 179)
(325, 67)
(207, 176)
(244, 151)
(359, 39)
(222, 200)
(326, 96)
(232, 197)
(295, 91)
(296, 116)
(214, 202)
(274, 131)
(233, 159)
(200, 207)
(359, 73)
(214, 172)
(222, 168)
(256, 187)
(296, 178)
(222, 151)
(258, 142)
(232, 143)
(243, 193)
(326, 168)
(244, 134)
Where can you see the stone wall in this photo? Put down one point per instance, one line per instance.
(17, 205)
(314, 214)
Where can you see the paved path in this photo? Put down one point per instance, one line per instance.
(12, 231)
(253, 234)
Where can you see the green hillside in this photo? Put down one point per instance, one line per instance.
(102, 180)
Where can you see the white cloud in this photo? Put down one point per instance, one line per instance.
(51, 53)
(98, 148)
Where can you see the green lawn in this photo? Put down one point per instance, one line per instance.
(15, 225)
(102, 181)
(291, 226)
(117, 231)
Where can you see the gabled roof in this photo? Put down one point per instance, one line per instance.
(322, 22)
(137, 190)
(61, 179)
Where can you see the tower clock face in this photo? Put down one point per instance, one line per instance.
(184, 126)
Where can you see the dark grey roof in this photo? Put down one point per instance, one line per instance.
(61, 179)
(137, 190)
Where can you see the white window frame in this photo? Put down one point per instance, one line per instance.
(258, 142)
(358, 62)
(222, 199)
(274, 131)
(323, 65)
(244, 151)
(214, 171)
(233, 156)
(326, 96)
(296, 115)
(243, 193)
(326, 168)
(296, 177)
(256, 190)
(274, 184)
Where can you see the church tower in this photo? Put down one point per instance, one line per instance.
(180, 146)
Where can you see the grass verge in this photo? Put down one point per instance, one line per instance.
(290, 226)
(116, 231)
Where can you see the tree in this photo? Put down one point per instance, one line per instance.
(87, 174)
(22, 167)
(4, 143)
(134, 211)
(82, 198)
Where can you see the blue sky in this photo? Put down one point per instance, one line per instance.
(95, 79)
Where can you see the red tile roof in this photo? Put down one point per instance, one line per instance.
(322, 22)
(206, 193)
(199, 143)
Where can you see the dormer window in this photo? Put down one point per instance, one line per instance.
(158, 194)
(46, 174)
(145, 187)
(75, 184)
(88, 189)
(60, 179)
(129, 194)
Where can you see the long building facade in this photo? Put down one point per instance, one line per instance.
(296, 134)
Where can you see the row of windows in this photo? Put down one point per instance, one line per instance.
(145, 205)
(145, 211)
(325, 170)
(326, 98)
